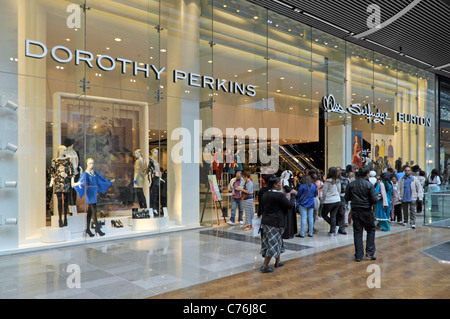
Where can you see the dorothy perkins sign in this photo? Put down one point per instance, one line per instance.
(371, 113)
(63, 55)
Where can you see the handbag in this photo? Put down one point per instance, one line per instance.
(256, 225)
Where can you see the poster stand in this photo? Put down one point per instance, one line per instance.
(213, 188)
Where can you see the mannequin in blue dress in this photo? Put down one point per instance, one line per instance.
(89, 184)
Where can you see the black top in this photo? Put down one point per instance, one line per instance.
(274, 206)
(361, 193)
(261, 192)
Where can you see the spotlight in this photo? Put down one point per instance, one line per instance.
(10, 147)
(8, 184)
(11, 106)
(11, 184)
(8, 221)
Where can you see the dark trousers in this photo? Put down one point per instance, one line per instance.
(141, 198)
(398, 216)
(333, 209)
(154, 195)
(340, 217)
(363, 220)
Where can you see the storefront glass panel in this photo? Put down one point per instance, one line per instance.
(145, 87)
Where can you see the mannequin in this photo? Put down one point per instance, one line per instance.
(61, 172)
(77, 170)
(154, 176)
(237, 161)
(140, 169)
(91, 183)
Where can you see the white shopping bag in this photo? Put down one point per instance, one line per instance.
(256, 225)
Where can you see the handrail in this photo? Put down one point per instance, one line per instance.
(292, 158)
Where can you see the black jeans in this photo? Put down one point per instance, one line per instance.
(333, 209)
(141, 198)
(363, 220)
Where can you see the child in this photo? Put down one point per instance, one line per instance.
(396, 211)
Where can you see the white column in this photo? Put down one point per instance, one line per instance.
(183, 48)
(32, 126)
(348, 143)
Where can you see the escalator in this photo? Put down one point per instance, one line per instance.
(310, 155)
(289, 161)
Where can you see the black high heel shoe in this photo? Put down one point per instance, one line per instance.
(88, 232)
(98, 231)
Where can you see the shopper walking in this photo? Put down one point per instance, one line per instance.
(434, 183)
(342, 217)
(289, 190)
(312, 174)
(383, 207)
(422, 179)
(361, 193)
(274, 206)
(331, 199)
(236, 183)
(396, 212)
(247, 196)
(410, 192)
(306, 194)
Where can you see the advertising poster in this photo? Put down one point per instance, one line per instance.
(357, 141)
(214, 188)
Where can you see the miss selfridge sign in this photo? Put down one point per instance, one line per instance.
(330, 105)
(371, 113)
(64, 55)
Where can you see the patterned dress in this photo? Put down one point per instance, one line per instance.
(61, 171)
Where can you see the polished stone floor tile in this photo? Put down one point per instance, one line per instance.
(147, 266)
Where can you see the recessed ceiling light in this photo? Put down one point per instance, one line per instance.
(163, 50)
(117, 39)
(68, 40)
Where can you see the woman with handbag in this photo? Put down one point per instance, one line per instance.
(274, 209)
(306, 193)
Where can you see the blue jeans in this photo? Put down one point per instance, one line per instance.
(234, 203)
(307, 213)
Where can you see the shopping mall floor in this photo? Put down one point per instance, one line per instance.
(224, 261)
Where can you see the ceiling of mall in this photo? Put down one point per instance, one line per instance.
(413, 31)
